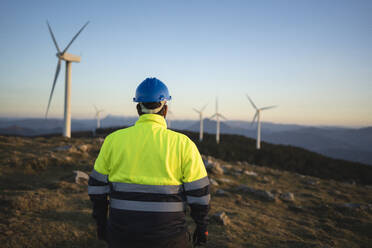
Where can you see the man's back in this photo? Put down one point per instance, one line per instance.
(147, 167)
(147, 153)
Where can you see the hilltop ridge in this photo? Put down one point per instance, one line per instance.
(44, 205)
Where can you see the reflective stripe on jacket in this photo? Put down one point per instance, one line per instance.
(149, 170)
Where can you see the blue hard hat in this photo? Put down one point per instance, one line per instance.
(152, 90)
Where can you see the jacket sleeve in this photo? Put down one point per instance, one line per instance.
(196, 185)
(98, 186)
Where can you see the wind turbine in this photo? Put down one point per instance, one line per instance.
(217, 115)
(200, 112)
(98, 111)
(258, 116)
(169, 115)
(68, 58)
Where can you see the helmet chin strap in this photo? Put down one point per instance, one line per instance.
(152, 111)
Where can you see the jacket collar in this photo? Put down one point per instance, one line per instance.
(152, 119)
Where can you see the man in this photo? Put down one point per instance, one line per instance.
(149, 173)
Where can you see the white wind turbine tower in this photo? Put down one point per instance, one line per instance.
(258, 116)
(98, 112)
(68, 58)
(217, 115)
(200, 112)
(169, 119)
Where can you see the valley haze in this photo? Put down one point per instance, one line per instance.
(353, 144)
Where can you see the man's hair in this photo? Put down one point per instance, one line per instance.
(148, 107)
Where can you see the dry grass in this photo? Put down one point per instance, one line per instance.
(41, 206)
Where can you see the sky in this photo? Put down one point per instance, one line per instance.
(311, 58)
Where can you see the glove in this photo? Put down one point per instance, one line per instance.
(101, 233)
(200, 235)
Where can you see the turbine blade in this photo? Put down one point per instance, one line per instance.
(223, 117)
(254, 105)
(197, 111)
(213, 116)
(95, 107)
(53, 38)
(203, 108)
(69, 44)
(54, 84)
(254, 118)
(269, 107)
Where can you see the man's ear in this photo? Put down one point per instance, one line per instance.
(139, 110)
(165, 110)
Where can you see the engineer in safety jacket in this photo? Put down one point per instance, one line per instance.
(145, 176)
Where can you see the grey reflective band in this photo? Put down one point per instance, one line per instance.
(198, 184)
(147, 206)
(97, 190)
(204, 200)
(98, 176)
(142, 188)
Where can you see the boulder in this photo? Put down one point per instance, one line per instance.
(310, 181)
(81, 177)
(263, 194)
(214, 168)
(250, 173)
(221, 192)
(225, 180)
(227, 166)
(63, 148)
(83, 148)
(213, 182)
(288, 197)
(221, 218)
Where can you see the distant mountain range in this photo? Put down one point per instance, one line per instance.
(337, 142)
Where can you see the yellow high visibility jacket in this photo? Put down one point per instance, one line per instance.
(149, 153)
(149, 170)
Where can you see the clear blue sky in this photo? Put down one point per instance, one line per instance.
(312, 58)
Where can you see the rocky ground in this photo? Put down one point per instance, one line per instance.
(44, 201)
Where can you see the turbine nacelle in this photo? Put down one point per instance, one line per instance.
(69, 57)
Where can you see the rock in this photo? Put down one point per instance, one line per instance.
(221, 218)
(83, 148)
(288, 197)
(250, 173)
(63, 148)
(213, 167)
(213, 182)
(227, 166)
(263, 194)
(81, 177)
(276, 191)
(351, 205)
(221, 192)
(266, 180)
(296, 209)
(217, 169)
(224, 180)
(310, 181)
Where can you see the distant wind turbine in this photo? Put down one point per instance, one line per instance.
(200, 112)
(68, 58)
(169, 119)
(98, 112)
(217, 115)
(258, 116)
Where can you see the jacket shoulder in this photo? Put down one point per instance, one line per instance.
(180, 136)
(119, 132)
